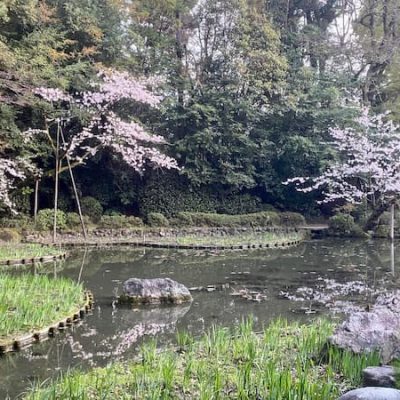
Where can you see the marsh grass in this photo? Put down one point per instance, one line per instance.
(32, 302)
(26, 251)
(234, 240)
(285, 362)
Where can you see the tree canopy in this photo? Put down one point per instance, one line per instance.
(249, 91)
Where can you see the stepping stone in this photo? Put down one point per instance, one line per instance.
(383, 376)
(372, 393)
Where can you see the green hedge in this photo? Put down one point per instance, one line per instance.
(265, 218)
(175, 194)
(119, 222)
(157, 219)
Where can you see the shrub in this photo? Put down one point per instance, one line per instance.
(382, 231)
(92, 208)
(157, 219)
(112, 211)
(9, 235)
(175, 194)
(341, 224)
(266, 218)
(74, 222)
(45, 219)
(19, 222)
(119, 221)
(183, 219)
(291, 219)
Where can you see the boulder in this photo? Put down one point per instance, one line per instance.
(372, 393)
(154, 291)
(383, 376)
(376, 330)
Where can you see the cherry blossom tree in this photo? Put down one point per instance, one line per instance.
(11, 171)
(105, 129)
(15, 167)
(368, 166)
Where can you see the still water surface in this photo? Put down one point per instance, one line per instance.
(317, 277)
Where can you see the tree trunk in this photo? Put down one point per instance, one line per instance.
(373, 220)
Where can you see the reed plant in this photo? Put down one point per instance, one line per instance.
(32, 302)
(288, 361)
(27, 251)
(252, 239)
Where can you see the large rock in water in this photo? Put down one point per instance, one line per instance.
(155, 291)
(377, 330)
(372, 393)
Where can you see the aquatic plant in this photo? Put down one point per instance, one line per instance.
(286, 361)
(27, 251)
(32, 302)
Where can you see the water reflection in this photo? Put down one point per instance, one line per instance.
(327, 275)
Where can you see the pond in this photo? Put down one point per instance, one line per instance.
(325, 277)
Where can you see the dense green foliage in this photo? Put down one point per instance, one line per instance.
(286, 361)
(45, 219)
(250, 91)
(92, 208)
(157, 219)
(262, 219)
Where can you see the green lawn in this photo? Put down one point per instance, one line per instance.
(286, 361)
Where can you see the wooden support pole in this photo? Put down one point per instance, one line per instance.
(36, 203)
(78, 204)
(392, 209)
(392, 258)
(56, 184)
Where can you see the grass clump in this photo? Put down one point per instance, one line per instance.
(33, 302)
(251, 239)
(286, 361)
(26, 251)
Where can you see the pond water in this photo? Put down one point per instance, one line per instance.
(317, 277)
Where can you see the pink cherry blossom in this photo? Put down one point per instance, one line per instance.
(369, 165)
(106, 130)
